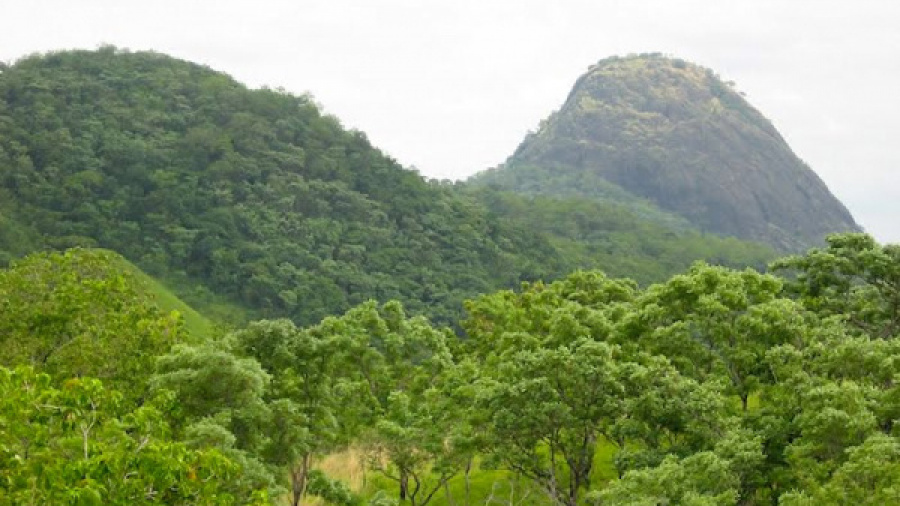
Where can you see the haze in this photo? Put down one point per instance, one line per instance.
(451, 87)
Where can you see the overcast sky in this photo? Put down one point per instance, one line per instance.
(452, 86)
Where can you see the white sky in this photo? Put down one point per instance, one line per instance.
(452, 86)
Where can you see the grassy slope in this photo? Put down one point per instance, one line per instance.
(195, 323)
(162, 292)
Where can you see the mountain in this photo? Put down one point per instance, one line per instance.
(675, 138)
(253, 203)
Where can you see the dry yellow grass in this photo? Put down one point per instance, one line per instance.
(347, 466)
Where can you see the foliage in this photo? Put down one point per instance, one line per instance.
(614, 236)
(77, 445)
(871, 476)
(702, 479)
(302, 398)
(551, 408)
(718, 386)
(393, 368)
(332, 491)
(713, 386)
(551, 393)
(16, 240)
(585, 303)
(78, 314)
(254, 194)
(221, 405)
(716, 321)
(833, 392)
(817, 390)
(854, 278)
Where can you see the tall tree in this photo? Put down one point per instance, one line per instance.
(301, 395)
(220, 403)
(393, 365)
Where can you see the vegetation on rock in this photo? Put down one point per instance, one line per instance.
(665, 136)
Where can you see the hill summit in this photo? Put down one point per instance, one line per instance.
(673, 134)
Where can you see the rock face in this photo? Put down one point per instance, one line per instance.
(672, 133)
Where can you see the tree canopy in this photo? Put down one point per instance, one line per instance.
(717, 386)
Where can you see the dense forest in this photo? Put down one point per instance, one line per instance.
(716, 387)
(211, 295)
(254, 203)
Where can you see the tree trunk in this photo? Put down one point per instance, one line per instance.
(468, 484)
(300, 479)
(404, 484)
(448, 495)
(572, 499)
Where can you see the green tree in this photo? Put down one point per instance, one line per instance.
(301, 395)
(391, 374)
(220, 403)
(78, 314)
(551, 390)
(548, 409)
(78, 445)
(703, 479)
(833, 391)
(853, 277)
(869, 477)
(585, 303)
(714, 321)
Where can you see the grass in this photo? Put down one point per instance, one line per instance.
(486, 486)
(197, 325)
(214, 306)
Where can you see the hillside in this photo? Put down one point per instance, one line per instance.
(629, 239)
(197, 325)
(675, 138)
(256, 200)
(89, 312)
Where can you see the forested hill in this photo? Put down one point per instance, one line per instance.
(258, 198)
(674, 135)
